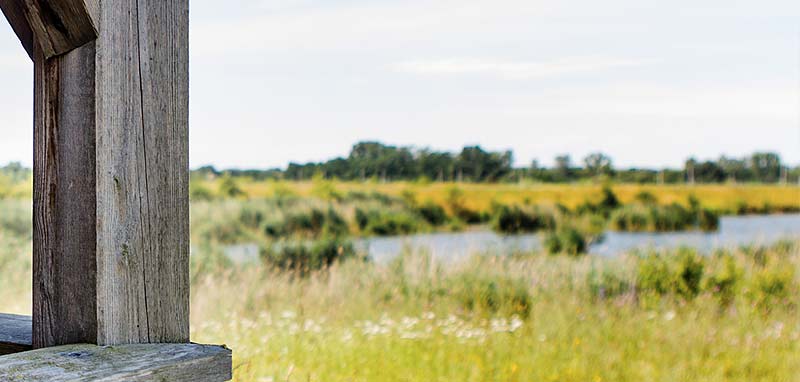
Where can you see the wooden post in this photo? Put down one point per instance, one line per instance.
(64, 235)
(111, 171)
(142, 113)
(111, 196)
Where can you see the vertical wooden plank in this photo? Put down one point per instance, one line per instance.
(64, 269)
(142, 172)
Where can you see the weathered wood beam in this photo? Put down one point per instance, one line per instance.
(111, 174)
(15, 14)
(64, 228)
(15, 334)
(58, 26)
(143, 172)
(134, 363)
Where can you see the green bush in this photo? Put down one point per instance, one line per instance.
(513, 220)
(724, 281)
(773, 285)
(631, 219)
(646, 198)
(229, 188)
(653, 275)
(607, 284)
(707, 220)
(491, 295)
(669, 218)
(387, 223)
(312, 224)
(304, 257)
(566, 240)
(690, 268)
(679, 275)
(605, 206)
(433, 213)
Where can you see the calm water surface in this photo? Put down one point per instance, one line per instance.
(734, 231)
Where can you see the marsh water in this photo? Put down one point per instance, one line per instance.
(734, 231)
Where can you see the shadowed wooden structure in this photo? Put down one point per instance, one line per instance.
(111, 203)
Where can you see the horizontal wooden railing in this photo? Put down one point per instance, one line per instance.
(137, 363)
(15, 334)
(134, 363)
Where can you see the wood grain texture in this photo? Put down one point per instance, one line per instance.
(15, 334)
(64, 263)
(15, 14)
(134, 363)
(142, 172)
(60, 26)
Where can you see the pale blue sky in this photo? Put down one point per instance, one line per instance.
(649, 82)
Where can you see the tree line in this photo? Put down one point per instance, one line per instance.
(382, 162)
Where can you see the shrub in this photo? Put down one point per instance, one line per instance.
(605, 206)
(324, 189)
(653, 275)
(707, 220)
(472, 217)
(655, 218)
(566, 240)
(512, 220)
(673, 217)
(387, 223)
(607, 284)
(313, 224)
(631, 219)
(455, 199)
(724, 282)
(304, 257)
(409, 197)
(229, 188)
(646, 198)
(680, 275)
(251, 217)
(690, 268)
(495, 294)
(772, 286)
(433, 213)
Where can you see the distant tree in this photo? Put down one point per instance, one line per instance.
(598, 164)
(735, 170)
(435, 165)
(691, 163)
(478, 165)
(766, 167)
(709, 172)
(563, 168)
(375, 160)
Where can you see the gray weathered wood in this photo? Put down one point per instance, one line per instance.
(134, 363)
(15, 334)
(15, 14)
(57, 26)
(111, 213)
(64, 263)
(143, 172)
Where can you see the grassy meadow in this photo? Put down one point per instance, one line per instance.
(321, 312)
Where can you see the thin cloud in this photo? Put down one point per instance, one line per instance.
(515, 70)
